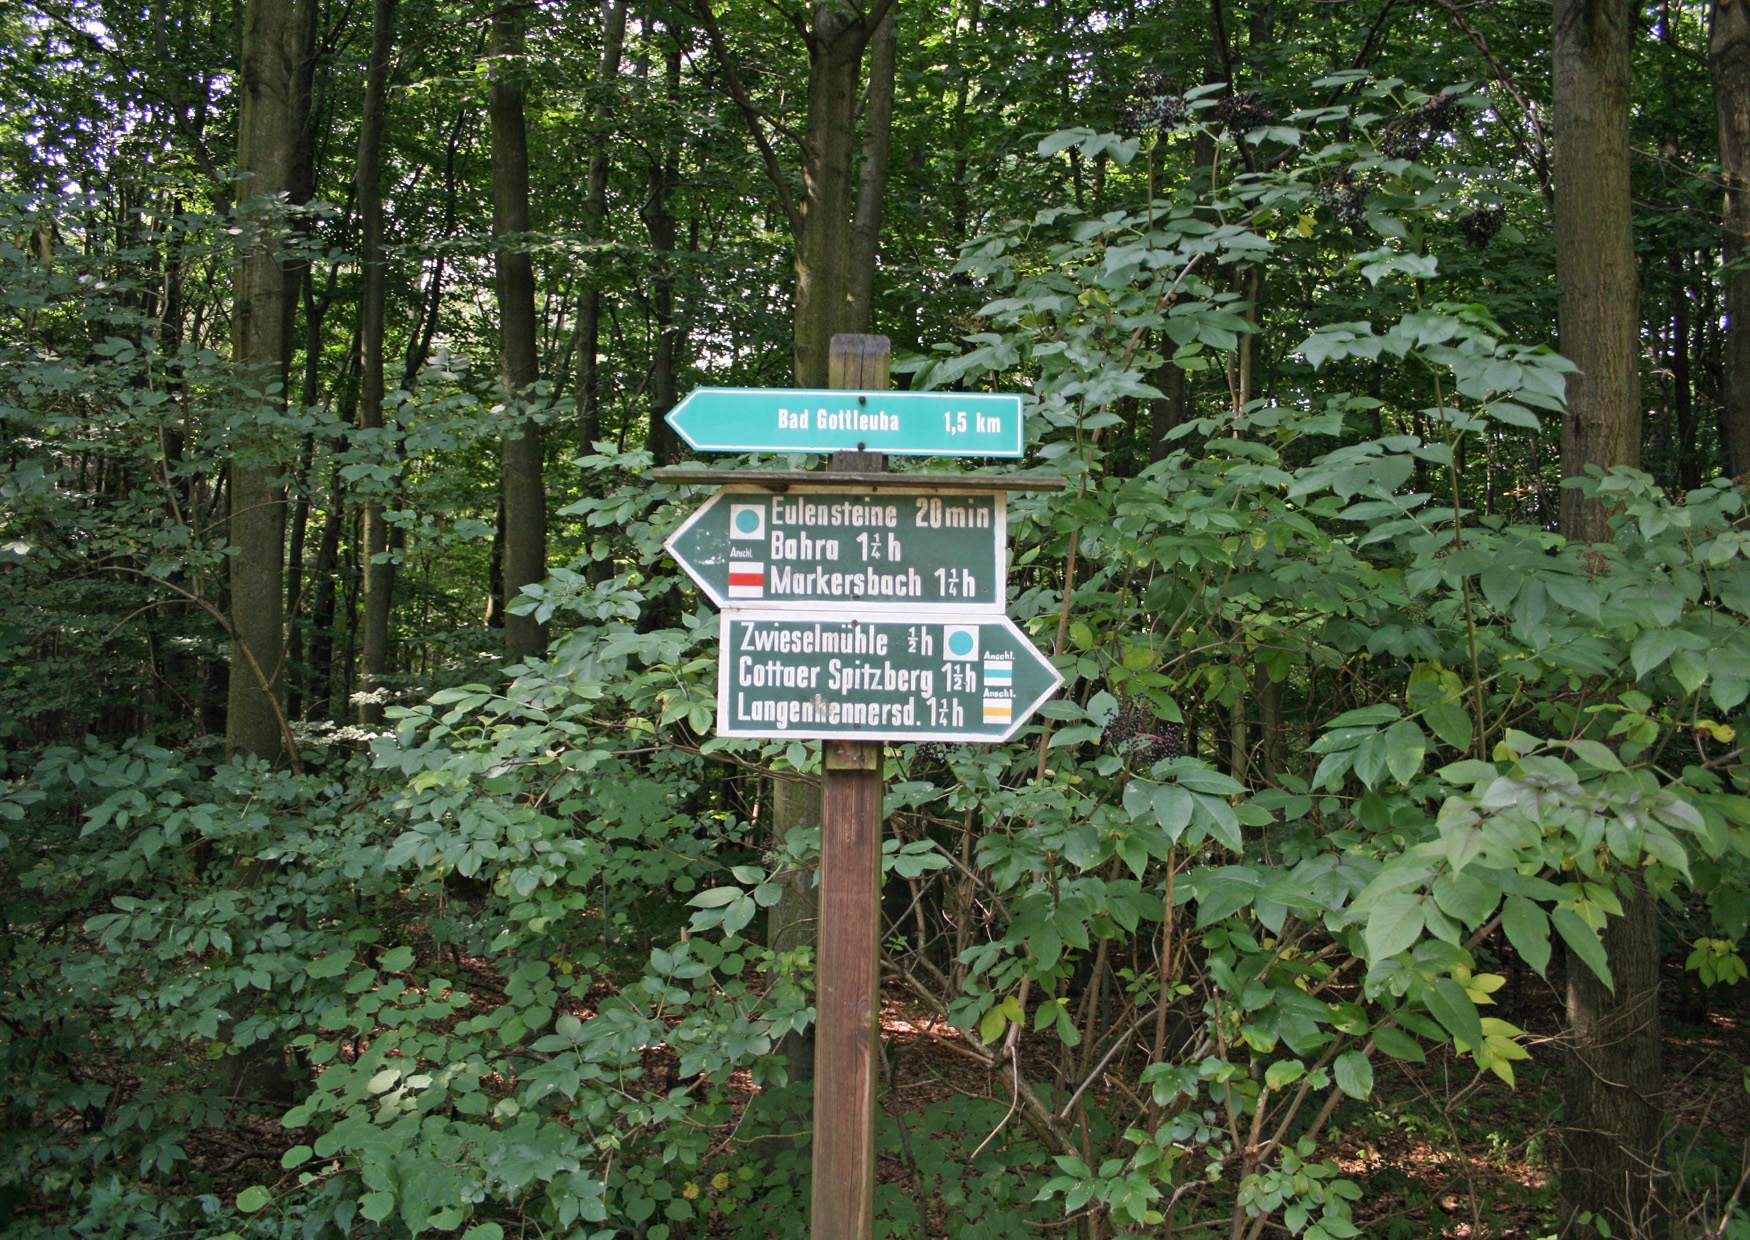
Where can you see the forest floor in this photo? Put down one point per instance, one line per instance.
(1440, 1150)
(1437, 1150)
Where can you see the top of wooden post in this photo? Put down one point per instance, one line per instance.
(864, 363)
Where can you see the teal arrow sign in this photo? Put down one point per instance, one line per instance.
(923, 550)
(914, 677)
(823, 420)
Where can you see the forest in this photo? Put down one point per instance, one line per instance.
(370, 862)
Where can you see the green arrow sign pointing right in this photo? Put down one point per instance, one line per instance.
(900, 678)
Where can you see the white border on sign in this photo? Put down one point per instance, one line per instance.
(999, 561)
(1022, 714)
(1019, 450)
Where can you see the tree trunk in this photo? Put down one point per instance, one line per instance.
(595, 214)
(524, 521)
(959, 194)
(823, 246)
(419, 340)
(790, 922)
(872, 176)
(1595, 257)
(1612, 1089)
(1729, 54)
(278, 44)
(320, 686)
(1689, 462)
(295, 569)
(1171, 409)
(659, 221)
(378, 582)
(1609, 1141)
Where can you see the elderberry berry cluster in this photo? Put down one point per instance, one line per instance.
(1155, 103)
(933, 751)
(1345, 197)
(1240, 113)
(1134, 732)
(1480, 226)
(1409, 134)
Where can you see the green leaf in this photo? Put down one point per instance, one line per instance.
(1728, 691)
(717, 897)
(1500, 583)
(1395, 923)
(1574, 593)
(1527, 929)
(377, 1206)
(1451, 723)
(1063, 139)
(1398, 1044)
(1462, 844)
(1370, 760)
(1405, 746)
(1595, 754)
(1652, 648)
(331, 965)
(1583, 941)
(1453, 1008)
(484, 1231)
(1354, 1074)
(1364, 716)
(1329, 775)
(1172, 809)
(1284, 1072)
(1689, 669)
(396, 960)
(296, 1156)
(1468, 897)
(1219, 819)
(253, 1198)
(1131, 851)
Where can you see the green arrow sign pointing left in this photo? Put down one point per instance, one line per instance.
(824, 420)
(927, 549)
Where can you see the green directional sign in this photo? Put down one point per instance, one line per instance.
(924, 550)
(824, 420)
(914, 677)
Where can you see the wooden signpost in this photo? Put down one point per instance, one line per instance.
(858, 608)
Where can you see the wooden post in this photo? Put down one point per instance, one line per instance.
(848, 959)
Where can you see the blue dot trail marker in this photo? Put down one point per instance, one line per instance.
(828, 420)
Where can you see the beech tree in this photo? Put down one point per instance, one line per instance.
(1729, 48)
(377, 572)
(524, 499)
(277, 46)
(1613, 1108)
